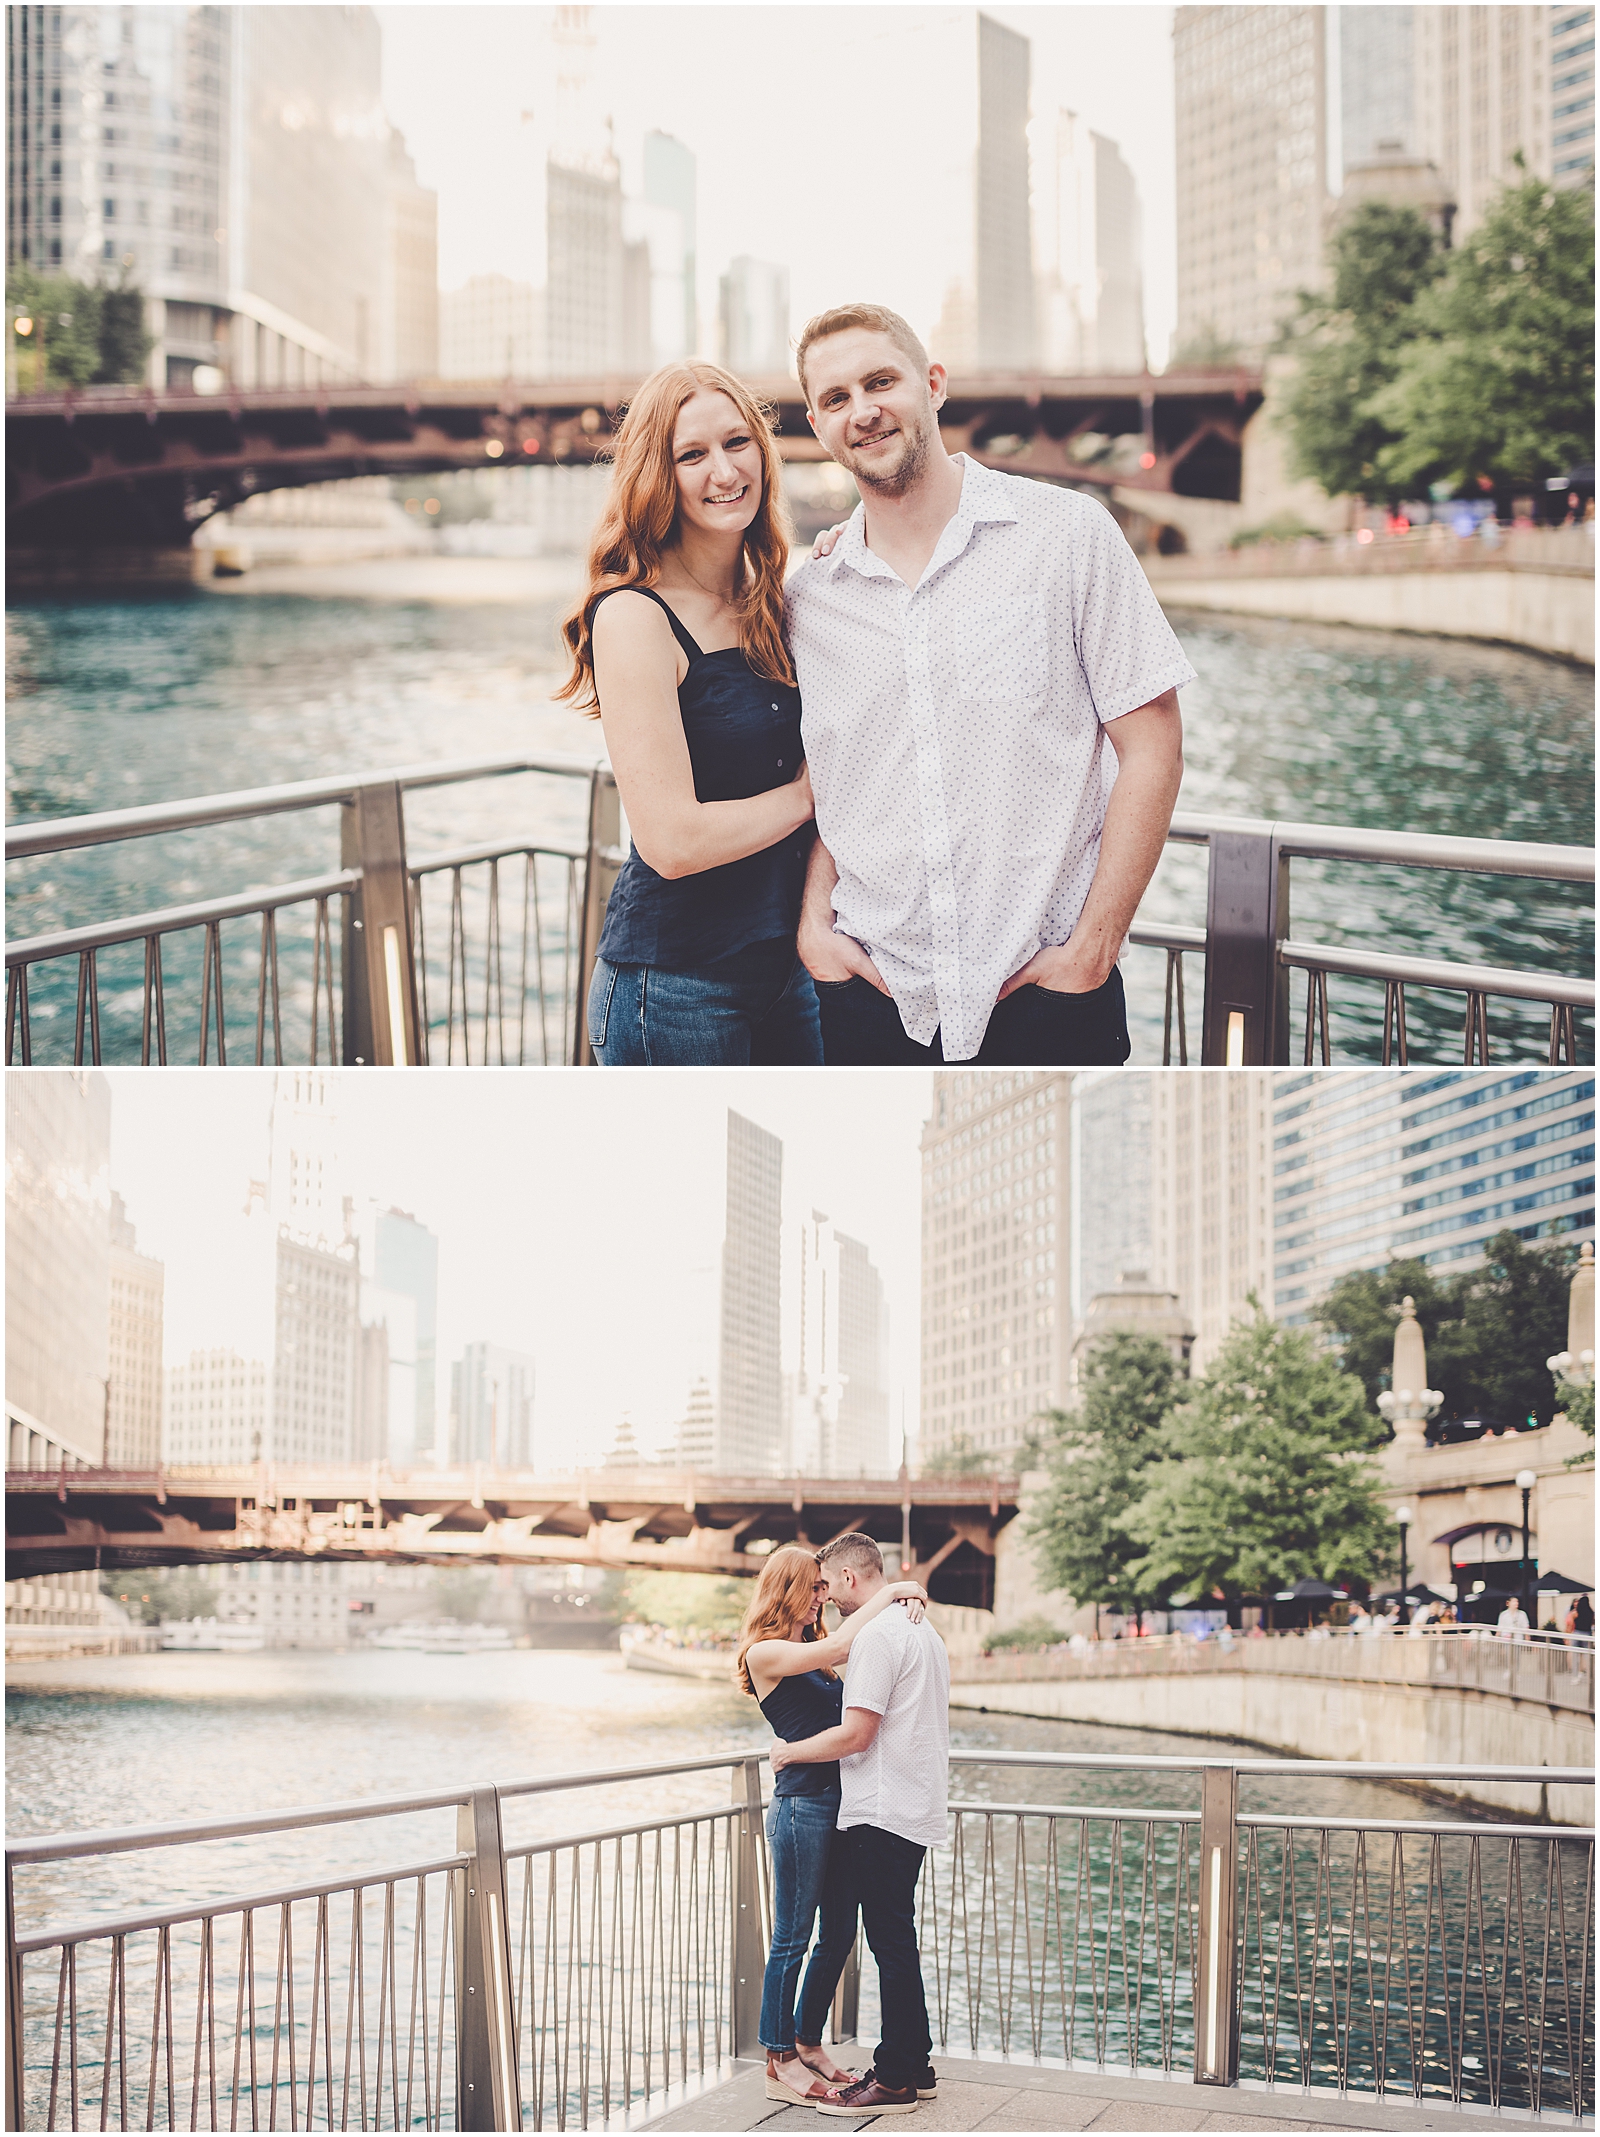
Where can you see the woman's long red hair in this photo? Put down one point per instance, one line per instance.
(780, 1607)
(640, 523)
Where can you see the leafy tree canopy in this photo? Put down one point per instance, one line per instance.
(151, 1593)
(1488, 1330)
(687, 1602)
(1349, 341)
(1497, 380)
(84, 334)
(1096, 1457)
(1268, 1478)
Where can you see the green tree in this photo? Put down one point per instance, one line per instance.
(1496, 386)
(82, 334)
(124, 344)
(1359, 1315)
(1268, 1477)
(148, 1594)
(686, 1602)
(1096, 1457)
(1348, 342)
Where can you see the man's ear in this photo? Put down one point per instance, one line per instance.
(938, 384)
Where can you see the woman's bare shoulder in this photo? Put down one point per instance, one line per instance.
(627, 619)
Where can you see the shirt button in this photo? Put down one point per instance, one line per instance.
(780, 764)
(774, 706)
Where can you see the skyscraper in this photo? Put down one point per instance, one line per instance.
(669, 190)
(1210, 1197)
(133, 1406)
(1483, 96)
(218, 1410)
(996, 1298)
(753, 318)
(1571, 94)
(749, 1435)
(840, 1423)
(1111, 1218)
(1003, 238)
(58, 1257)
(1250, 127)
(491, 1391)
(1371, 1167)
(400, 1263)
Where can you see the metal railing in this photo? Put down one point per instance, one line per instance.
(493, 989)
(575, 1981)
(1467, 1658)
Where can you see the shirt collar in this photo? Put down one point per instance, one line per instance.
(984, 496)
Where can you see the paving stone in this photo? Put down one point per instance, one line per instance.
(959, 2107)
(1137, 2115)
(1037, 2110)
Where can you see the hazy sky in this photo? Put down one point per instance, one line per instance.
(791, 112)
(580, 1214)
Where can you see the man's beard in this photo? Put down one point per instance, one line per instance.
(846, 1606)
(894, 482)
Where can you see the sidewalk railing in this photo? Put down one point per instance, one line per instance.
(483, 953)
(578, 1981)
(1550, 1668)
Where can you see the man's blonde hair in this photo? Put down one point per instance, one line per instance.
(876, 318)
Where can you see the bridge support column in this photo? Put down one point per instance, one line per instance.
(1216, 1988)
(749, 1940)
(487, 2092)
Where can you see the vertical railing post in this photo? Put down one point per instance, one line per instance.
(14, 2063)
(602, 862)
(380, 990)
(749, 1956)
(487, 2093)
(847, 1996)
(1246, 1018)
(1216, 1990)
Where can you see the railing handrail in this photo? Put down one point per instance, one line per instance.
(106, 826)
(1439, 972)
(1406, 849)
(1534, 1637)
(56, 1847)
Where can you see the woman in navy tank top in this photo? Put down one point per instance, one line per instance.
(786, 1662)
(678, 646)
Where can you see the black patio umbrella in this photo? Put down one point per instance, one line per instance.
(1560, 1584)
(1481, 1587)
(1311, 1591)
(1416, 1593)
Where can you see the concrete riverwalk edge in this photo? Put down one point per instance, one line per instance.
(1028, 2096)
(1328, 1718)
(1542, 611)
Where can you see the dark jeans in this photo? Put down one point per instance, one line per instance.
(885, 1869)
(756, 1007)
(1033, 1028)
(809, 1873)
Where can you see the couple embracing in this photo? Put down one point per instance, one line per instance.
(860, 1796)
(902, 809)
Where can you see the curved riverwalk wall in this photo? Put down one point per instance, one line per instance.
(1321, 1718)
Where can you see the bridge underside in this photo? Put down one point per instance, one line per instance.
(127, 468)
(70, 1521)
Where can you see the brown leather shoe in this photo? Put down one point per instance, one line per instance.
(868, 2097)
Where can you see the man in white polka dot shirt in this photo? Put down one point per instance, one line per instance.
(990, 712)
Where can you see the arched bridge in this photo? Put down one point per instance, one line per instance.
(129, 467)
(72, 1520)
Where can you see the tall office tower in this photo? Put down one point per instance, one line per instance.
(58, 1263)
(669, 192)
(491, 1401)
(369, 1423)
(1088, 233)
(1379, 117)
(585, 295)
(304, 1190)
(1483, 77)
(996, 1297)
(218, 1410)
(236, 165)
(749, 1436)
(753, 318)
(492, 327)
(1111, 1182)
(1210, 1199)
(1251, 166)
(410, 309)
(1004, 243)
(1571, 94)
(315, 1358)
(1374, 1167)
(840, 1418)
(133, 1400)
(400, 1288)
(697, 1428)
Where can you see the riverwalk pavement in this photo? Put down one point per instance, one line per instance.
(1023, 2096)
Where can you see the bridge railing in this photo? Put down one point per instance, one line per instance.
(483, 953)
(586, 1978)
(1557, 1670)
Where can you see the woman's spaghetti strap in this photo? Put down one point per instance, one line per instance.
(678, 631)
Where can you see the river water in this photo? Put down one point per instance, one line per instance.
(298, 673)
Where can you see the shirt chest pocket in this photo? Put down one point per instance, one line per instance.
(995, 654)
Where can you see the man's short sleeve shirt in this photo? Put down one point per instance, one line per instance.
(956, 734)
(900, 1783)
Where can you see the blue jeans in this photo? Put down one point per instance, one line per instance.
(756, 1008)
(807, 1876)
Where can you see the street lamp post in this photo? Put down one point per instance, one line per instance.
(1526, 1480)
(1403, 1516)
